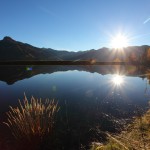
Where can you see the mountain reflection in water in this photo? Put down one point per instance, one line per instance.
(12, 74)
(91, 98)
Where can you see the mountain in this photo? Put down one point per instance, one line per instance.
(11, 50)
(14, 50)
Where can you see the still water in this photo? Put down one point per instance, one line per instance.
(91, 98)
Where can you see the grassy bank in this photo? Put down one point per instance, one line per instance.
(136, 136)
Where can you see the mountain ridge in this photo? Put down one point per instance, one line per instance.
(12, 50)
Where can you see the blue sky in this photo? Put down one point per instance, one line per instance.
(75, 24)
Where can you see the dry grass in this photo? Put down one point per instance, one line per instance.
(32, 118)
(135, 137)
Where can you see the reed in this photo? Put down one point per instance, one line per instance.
(34, 118)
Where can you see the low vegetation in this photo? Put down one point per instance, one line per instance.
(32, 119)
(135, 137)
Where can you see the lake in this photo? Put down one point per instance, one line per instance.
(92, 99)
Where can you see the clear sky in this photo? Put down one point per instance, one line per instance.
(75, 24)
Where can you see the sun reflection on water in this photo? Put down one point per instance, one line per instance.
(118, 80)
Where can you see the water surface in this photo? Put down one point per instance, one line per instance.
(91, 98)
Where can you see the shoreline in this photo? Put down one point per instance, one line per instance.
(19, 62)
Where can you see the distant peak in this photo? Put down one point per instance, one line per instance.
(7, 38)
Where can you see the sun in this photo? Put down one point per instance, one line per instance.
(119, 41)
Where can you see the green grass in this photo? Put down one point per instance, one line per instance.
(32, 119)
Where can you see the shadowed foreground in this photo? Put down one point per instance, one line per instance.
(135, 137)
(32, 122)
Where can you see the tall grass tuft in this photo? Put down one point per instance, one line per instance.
(33, 118)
